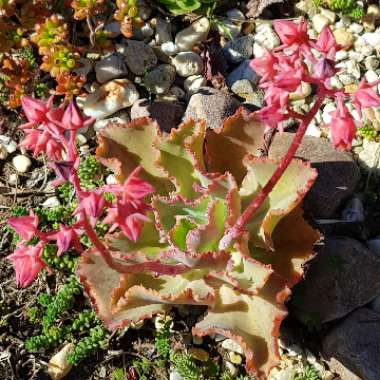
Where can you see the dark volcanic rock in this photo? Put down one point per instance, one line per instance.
(352, 348)
(338, 174)
(344, 276)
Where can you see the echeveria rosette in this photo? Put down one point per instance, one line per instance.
(177, 259)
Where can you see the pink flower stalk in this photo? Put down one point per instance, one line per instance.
(27, 263)
(25, 226)
(72, 119)
(342, 127)
(291, 33)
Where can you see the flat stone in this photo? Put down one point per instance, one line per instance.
(159, 80)
(211, 105)
(167, 114)
(139, 57)
(110, 67)
(110, 98)
(344, 276)
(192, 35)
(243, 71)
(239, 49)
(188, 63)
(352, 348)
(338, 174)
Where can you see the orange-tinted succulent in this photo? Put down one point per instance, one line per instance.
(69, 84)
(7, 8)
(17, 73)
(127, 15)
(11, 36)
(53, 31)
(87, 8)
(35, 12)
(59, 59)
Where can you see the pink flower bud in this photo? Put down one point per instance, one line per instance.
(27, 263)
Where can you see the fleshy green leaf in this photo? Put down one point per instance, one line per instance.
(240, 134)
(124, 147)
(285, 196)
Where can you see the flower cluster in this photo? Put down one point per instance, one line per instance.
(299, 60)
(51, 130)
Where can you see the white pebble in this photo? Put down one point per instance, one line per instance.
(51, 202)
(230, 345)
(355, 28)
(187, 64)
(111, 180)
(3, 152)
(319, 22)
(195, 33)
(21, 163)
(193, 83)
(169, 48)
(147, 30)
(371, 63)
(235, 14)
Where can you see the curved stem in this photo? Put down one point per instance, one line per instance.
(259, 199)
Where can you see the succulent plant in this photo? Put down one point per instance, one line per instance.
(17, 74)
(59, 59)
(127, 14)
(11, 35)
(69, 84)
(203, 181)
(87, 8)
(185, 6)
(53, 31)
(7, 7)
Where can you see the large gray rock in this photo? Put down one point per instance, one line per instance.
(344, 276)
(352, 348)
(139, 57)
(338, 174)
(111, 67)
(211, 105)
(167, 114)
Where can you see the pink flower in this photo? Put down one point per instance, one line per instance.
(25, 226)
(92, 204)
(129, 217)
(63, 170)
(271, 115)
(324, 69)
(342, 127)
(326, 43)
(66, 238)
(73, 119)
(265, 66)
(35, 110)
(42, 141)
(27, 263)
(364, 97)
(291, 33)
(134, 188)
